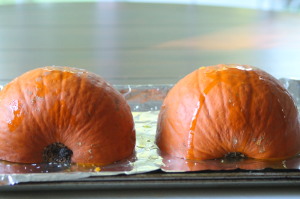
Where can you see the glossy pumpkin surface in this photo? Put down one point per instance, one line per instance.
(223, 109)
(64, 105)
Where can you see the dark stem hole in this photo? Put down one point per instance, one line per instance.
(57, 153)
(235, 156)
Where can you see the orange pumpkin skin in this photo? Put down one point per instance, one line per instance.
(65, 105)
(222, 109)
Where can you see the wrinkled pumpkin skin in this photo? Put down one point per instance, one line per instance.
(223, 109)
(65, 105)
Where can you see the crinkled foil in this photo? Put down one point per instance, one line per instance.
(145, 102)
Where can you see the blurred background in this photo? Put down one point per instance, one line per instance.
(291, 5)
(149, 41)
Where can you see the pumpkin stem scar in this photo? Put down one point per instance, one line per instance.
(235, 156)
(57, 153)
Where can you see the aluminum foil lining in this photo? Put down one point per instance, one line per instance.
(145, 102)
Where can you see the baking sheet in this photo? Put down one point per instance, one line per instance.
(145, 102)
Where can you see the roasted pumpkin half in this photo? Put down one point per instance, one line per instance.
(223, 110)
(64, 114)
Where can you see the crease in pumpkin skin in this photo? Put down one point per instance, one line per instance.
(37, 100)
(233, 142)
(200, 103)
(62, 106)
(40, 93)
(60, 103)
(249, 101)
(59, 107)
(222, 133)
(284, 113)
(217, 75)
(50, 107)
(224, 136)
(191, 133)
(248, 140)
(88, 149)
(248, 72)
(62, 109)
(212, 136)
(235, 139)
(259, 141)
